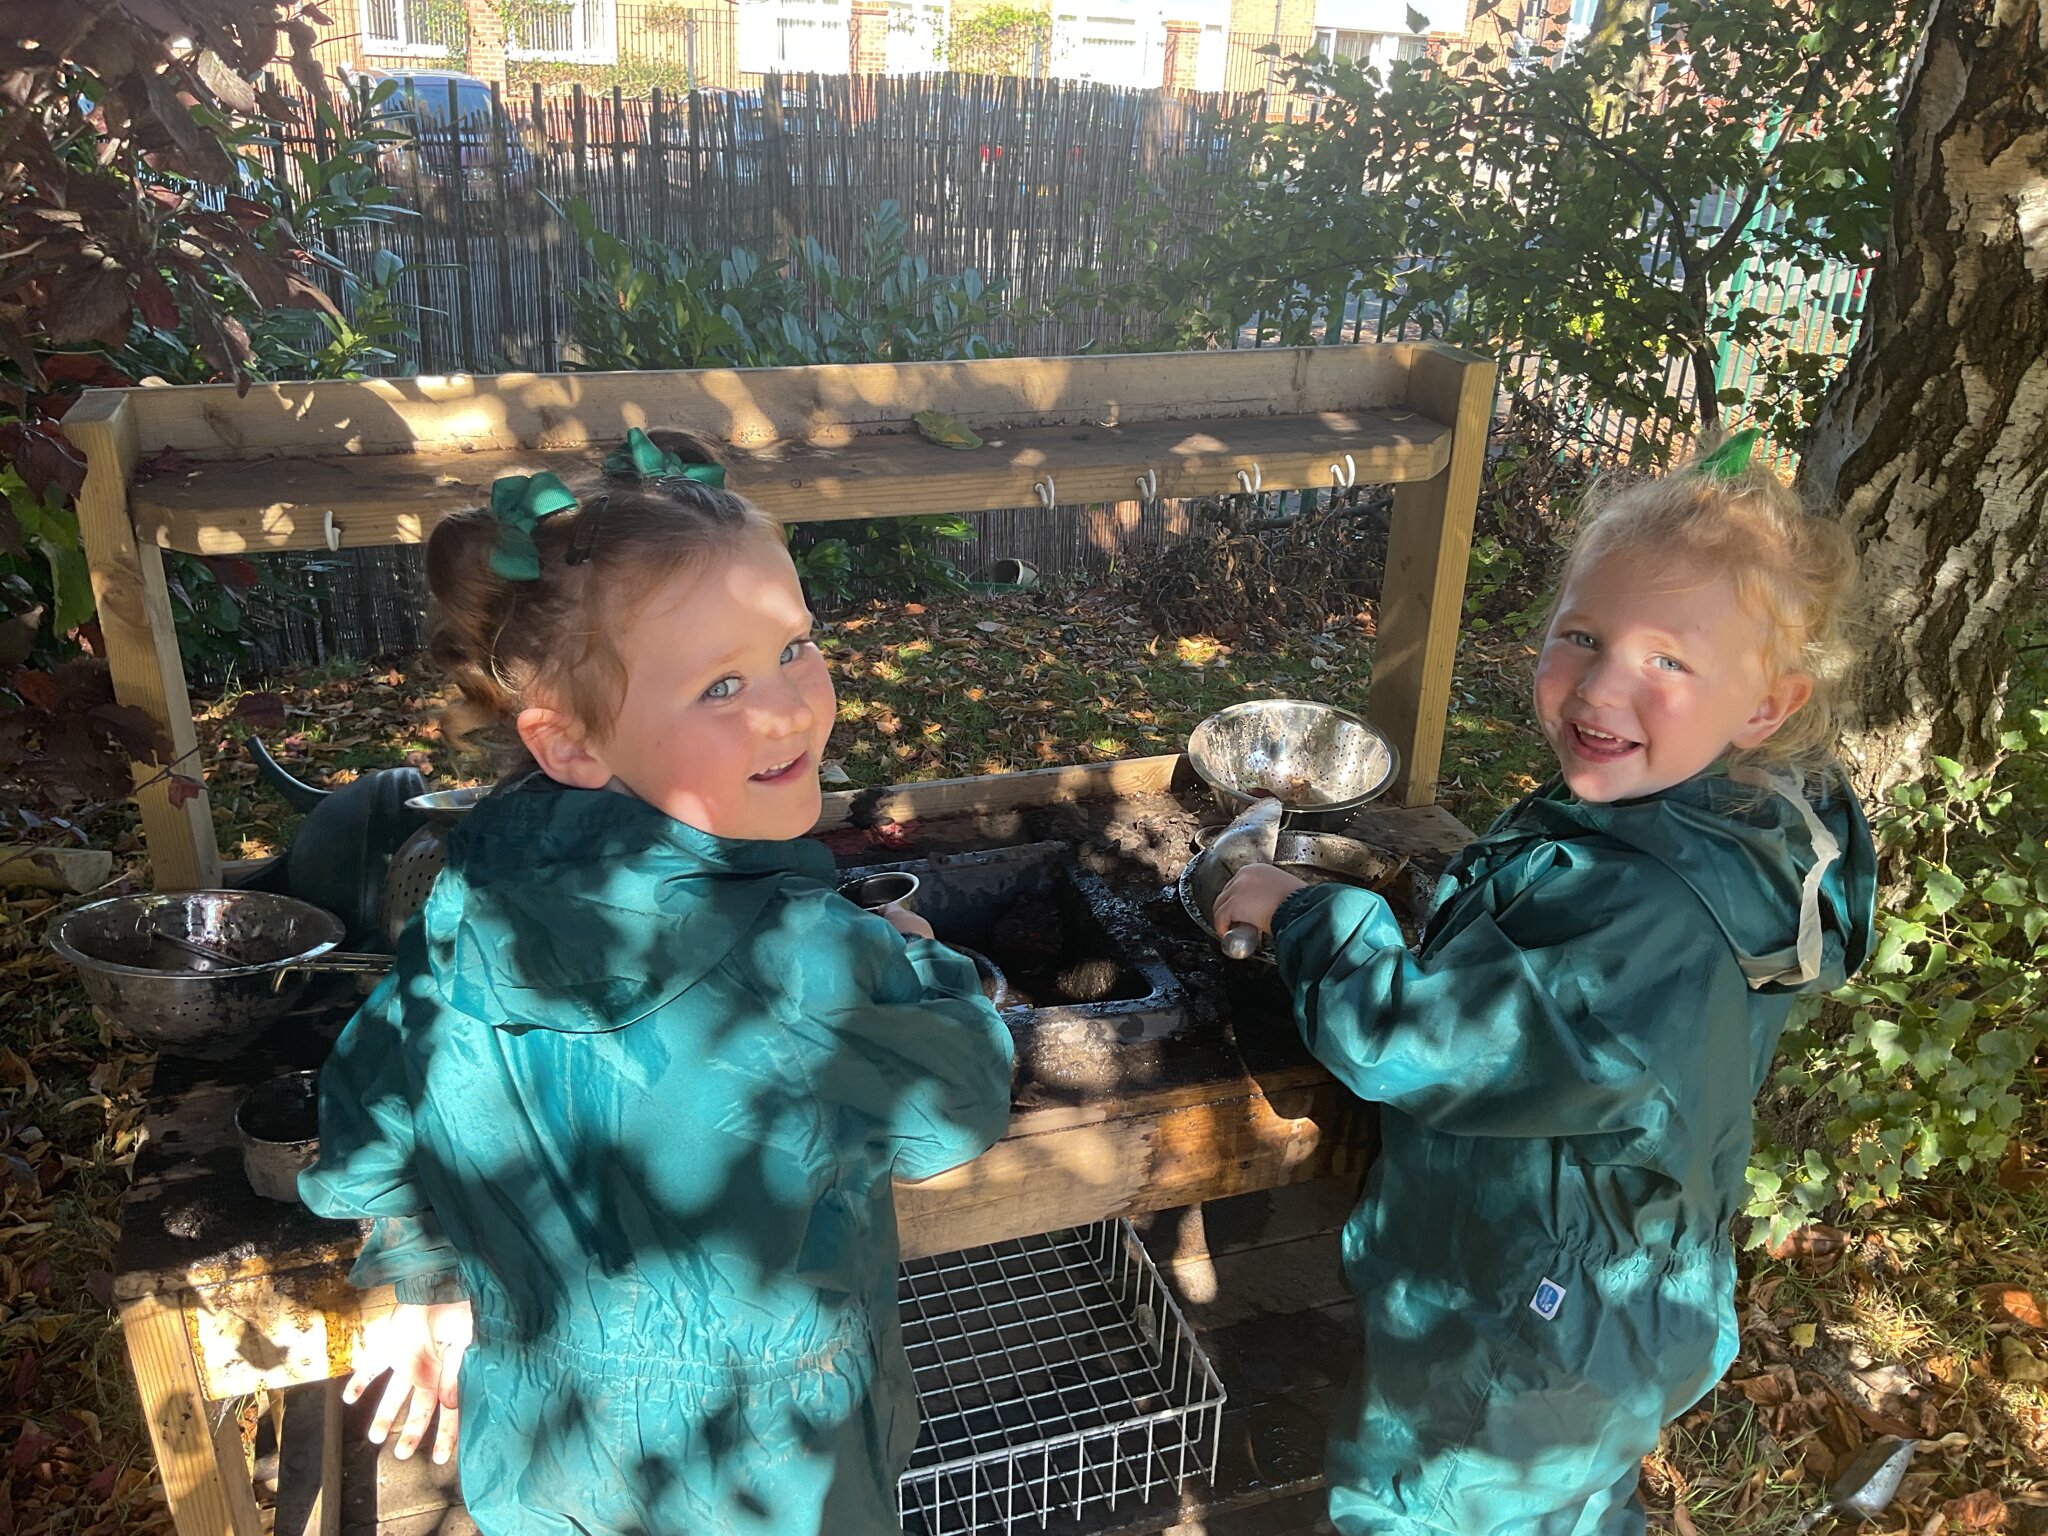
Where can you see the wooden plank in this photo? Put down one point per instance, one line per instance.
(142, 641)
(752, 406)
(204, 1476)
(309, 1461)
(1429, 832)
(284, 503)
(1423, 596)
(1242, 1223)
(1218, 1290)
(1145, 1162)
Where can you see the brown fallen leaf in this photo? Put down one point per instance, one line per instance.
(1681, 1519)
(1777, 1385)
(2016, 1304)
(2017, 1173)
(1983, 1510)
(1815, 1243)
(2017, 1363)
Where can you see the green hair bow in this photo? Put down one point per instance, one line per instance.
(519, 502)
(640, 457)
(1731, 459)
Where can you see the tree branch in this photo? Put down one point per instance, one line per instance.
(1809, 97)
(1656, 184)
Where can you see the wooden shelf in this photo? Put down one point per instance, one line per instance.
(236, 506)
(210, 470)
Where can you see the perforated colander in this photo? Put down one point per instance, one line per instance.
(411, 877)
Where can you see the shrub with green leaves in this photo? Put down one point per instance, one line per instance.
(1923, 1059)
(652, 306)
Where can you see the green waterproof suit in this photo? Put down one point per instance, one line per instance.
(1567, 1063)
(639, 1093)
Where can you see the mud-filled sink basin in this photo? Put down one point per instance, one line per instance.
(1070, 948)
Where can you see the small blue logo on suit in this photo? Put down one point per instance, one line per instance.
(1548, 1298)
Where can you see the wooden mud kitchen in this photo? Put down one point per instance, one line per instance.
(1179, 1097)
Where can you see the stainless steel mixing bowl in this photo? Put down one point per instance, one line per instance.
(1311, 757)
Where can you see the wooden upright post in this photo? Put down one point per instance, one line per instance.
(205, 1479)
(1422, 602)
(142, 643)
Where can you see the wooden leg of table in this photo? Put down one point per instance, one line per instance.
(309, 1460)
(205, 1478)
(1422, 598)
(142, 646)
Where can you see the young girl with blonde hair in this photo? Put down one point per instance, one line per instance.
(1567, 1061)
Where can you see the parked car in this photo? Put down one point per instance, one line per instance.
(440, 149)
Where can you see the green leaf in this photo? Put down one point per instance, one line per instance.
(947, 431)
(2006, 891)
(1944, 890)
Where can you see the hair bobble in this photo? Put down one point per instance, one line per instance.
(519, 502)
(1730, 461)
(641, 457)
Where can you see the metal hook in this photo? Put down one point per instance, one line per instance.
(331, 531)
(1046, 492)
(1148, 486)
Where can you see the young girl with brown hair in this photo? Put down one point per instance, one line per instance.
(628, 1108)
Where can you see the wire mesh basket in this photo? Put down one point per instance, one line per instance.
(1054, 1373)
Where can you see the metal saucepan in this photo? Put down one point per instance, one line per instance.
(995, 986)
(154, 965)
(278, 1123)
(1312, 856)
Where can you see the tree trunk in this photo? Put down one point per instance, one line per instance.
(1934, 441)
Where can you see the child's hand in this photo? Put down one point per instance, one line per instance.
(1253, 895)
(422, 1348)
(909, 924)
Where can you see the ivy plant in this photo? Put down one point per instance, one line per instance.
(1923, 1060)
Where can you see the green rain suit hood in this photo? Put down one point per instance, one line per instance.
(1566, 1065)
(638, 1093)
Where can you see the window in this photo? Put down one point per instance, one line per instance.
(793, 36)
(1109, 50)
(411, 27)
(577, 31)
(917, 35)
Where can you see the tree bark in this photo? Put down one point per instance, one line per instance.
(1933, 443)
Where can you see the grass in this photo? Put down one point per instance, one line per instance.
(979, 685)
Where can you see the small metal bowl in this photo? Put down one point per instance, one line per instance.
(1319, 856)
(446, 805)
(278, 1123)
(1316, 857)
(893, 888)
(1313, 758)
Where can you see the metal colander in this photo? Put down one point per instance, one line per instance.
(149, 986)
(1308, 756)
(411, 877)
